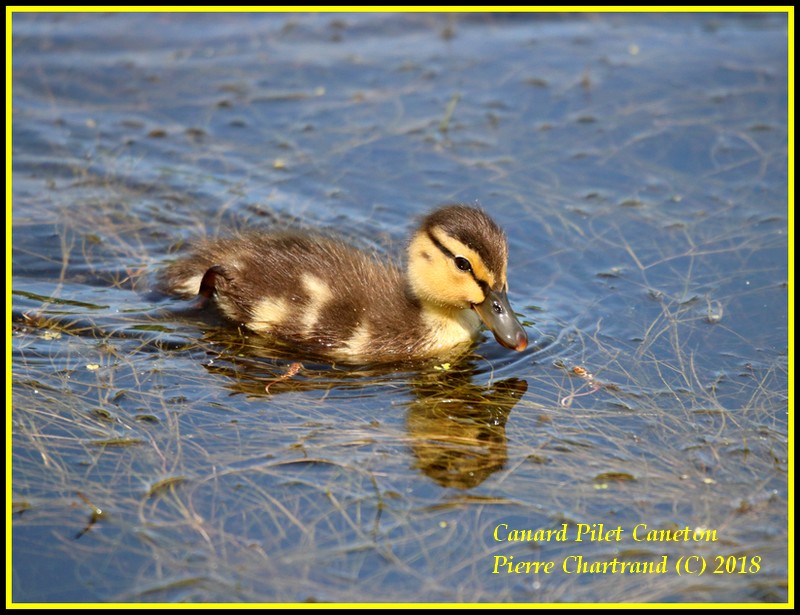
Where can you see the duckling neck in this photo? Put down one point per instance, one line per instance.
(448, 326)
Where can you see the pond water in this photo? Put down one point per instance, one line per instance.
(638, 163)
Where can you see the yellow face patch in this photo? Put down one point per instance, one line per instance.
(436, 278)
(459, 249)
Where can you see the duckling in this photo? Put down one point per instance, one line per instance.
(333, 300)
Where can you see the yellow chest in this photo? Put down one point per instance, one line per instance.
(449, 328)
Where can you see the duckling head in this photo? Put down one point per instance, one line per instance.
(457, 261)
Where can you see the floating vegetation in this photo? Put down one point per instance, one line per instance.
(116, 442)
(444, 125)
(165, 484)
(615, 476)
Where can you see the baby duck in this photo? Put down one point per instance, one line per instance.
(333, 300)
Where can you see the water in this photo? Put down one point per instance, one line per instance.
(638, 163)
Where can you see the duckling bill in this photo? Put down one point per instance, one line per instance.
(328, 298)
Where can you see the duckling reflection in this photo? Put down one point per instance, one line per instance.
(456, 428)
(458, 434)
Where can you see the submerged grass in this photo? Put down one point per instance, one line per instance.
(307, 491)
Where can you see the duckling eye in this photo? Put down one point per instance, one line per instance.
(463, 264)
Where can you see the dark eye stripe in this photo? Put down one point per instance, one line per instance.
(484, 285)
